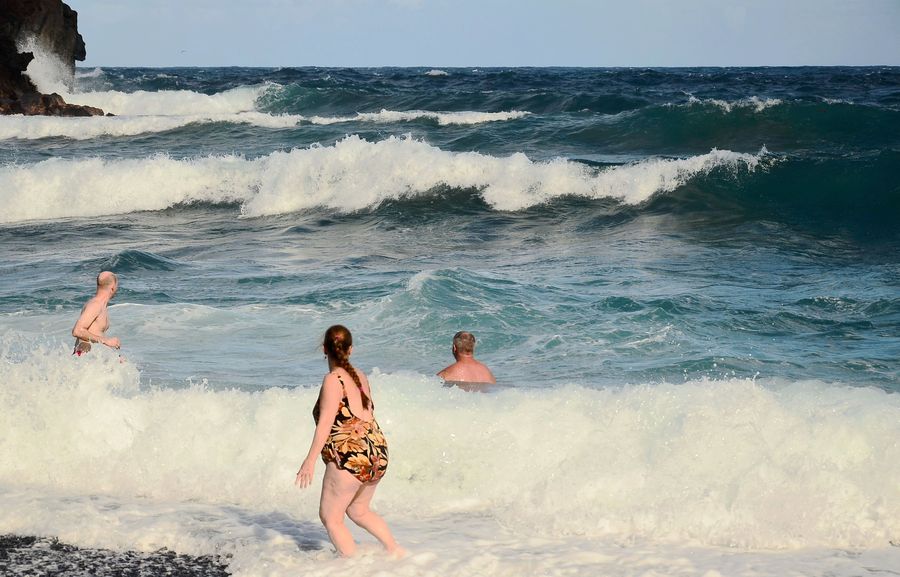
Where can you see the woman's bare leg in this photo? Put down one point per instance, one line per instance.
(339, 488)
(360, 513)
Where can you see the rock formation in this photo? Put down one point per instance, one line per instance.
(53, 26)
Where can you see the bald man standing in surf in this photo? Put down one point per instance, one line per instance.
(93, 322)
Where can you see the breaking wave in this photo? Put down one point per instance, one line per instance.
(351, 175)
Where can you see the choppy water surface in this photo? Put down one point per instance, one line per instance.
(686, 280)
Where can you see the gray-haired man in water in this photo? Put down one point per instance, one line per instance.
(93, 322)
(466, 371)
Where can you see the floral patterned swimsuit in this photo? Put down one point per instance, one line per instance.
(354, 444)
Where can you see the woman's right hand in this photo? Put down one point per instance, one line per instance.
(305, 474)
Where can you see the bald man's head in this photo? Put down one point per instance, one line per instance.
(107, 280)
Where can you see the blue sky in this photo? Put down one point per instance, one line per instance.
(489, 32)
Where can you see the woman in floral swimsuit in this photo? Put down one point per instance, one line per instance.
(352, 446)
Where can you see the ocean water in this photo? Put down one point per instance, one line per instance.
(686, 280)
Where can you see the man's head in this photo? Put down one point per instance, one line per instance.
(463, 343)
(107, 280)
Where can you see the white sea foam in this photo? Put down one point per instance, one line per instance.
(173, 102)
(437, 72)
(443, 118)
(592, 478)
(95, 73)
(754, 102)
(403, 167)
(148, 112)
(719, 462)
(353, 174)
(35, 127)
(59, 188)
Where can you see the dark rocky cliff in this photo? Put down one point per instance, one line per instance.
(54, 26)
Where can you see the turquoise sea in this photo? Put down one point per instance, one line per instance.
(687, 282)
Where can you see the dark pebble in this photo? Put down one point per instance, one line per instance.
(47, 557)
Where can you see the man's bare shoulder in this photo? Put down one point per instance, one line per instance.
(486, 373)
(448, 373)
(92, 308)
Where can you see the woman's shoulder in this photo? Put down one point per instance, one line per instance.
(345, 373)
(340, 375)
(337, 373)
(332, 379)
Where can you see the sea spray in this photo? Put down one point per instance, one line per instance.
(733, 462)
(46, 70)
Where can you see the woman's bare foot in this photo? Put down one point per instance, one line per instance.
(398, 552)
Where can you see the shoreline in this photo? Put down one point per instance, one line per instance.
(45, 556)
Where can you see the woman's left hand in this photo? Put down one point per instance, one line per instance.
(305, 474)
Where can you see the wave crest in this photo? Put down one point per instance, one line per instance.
(755, 103)
(173, 102)
(59, 188)
(442, 118)
(36, 127)
(351, 175)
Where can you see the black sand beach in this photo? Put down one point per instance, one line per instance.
(45, 557)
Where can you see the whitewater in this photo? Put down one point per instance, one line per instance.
(335, 177)
(734, 468)
(686, 281)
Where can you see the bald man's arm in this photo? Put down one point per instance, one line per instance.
(82, 331)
